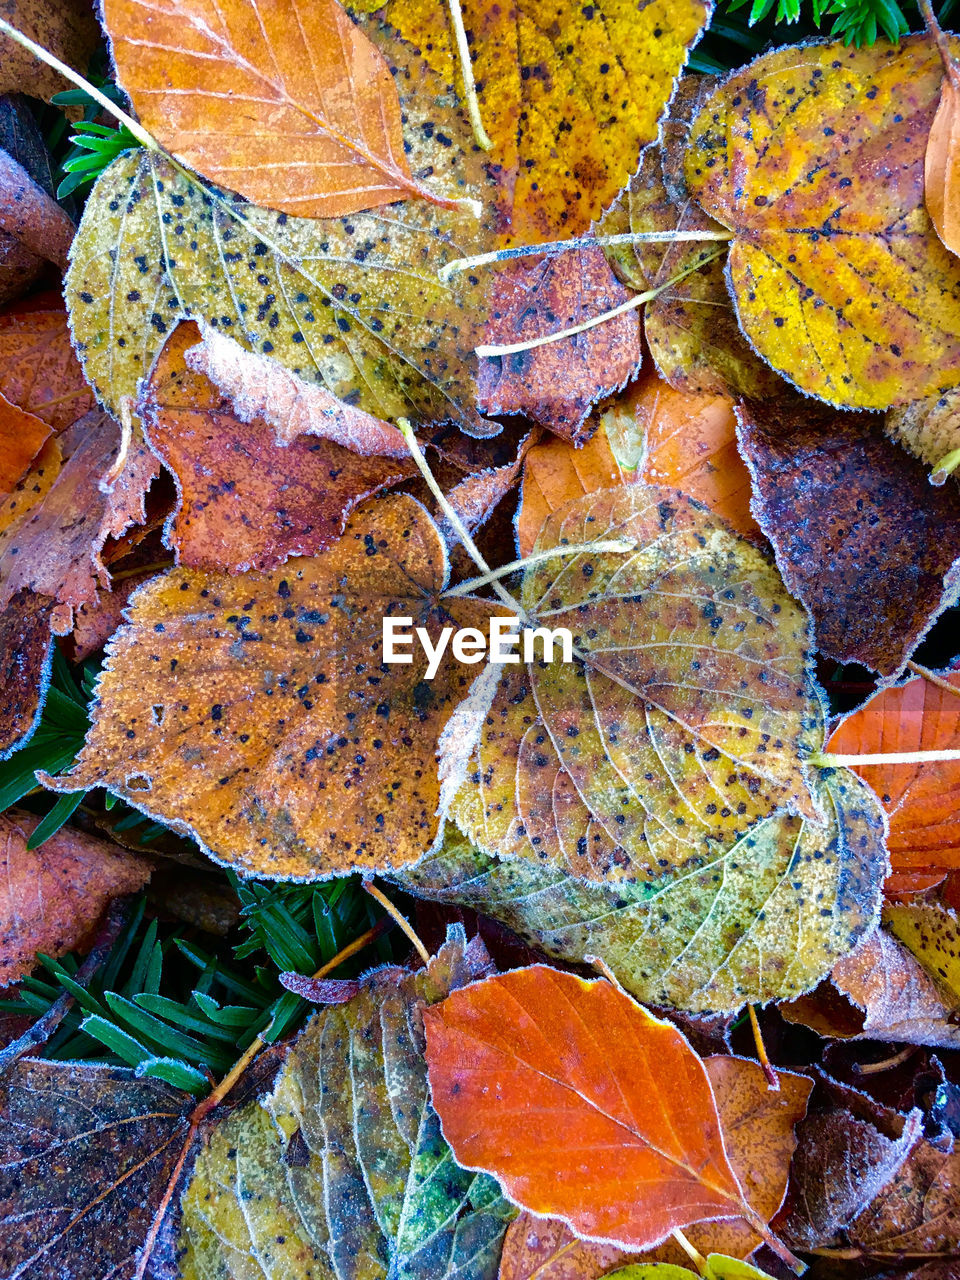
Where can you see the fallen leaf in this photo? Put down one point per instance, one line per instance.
(917, 1213)
(32, 216)
(293, 107)
(649, 754)
(255, 711)
(921, 800)
(354, 305)
(53, 897)
(940, 194)
(110, 1138)
(67, 28)
(22, 436)
(860, 537)
(690, 327)
(569, 94)
(342, 1169)
(38, 369)
(930, 932)
(261, 388)
(19, 269)
(765, 920)
(245, 501)
(579, 1065)
(32, 488)
(557, 384)
(25, 652)
(813, 156)
(930, 429)
(555, 472)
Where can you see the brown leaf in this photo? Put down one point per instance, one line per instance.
(19, 269)
(25, 651)
(67, 28)
(941, 194)
(320, 990)
(52, 897)
(38, 368)
(930, 429)
(21, 438)
(245, 501)
(555, 473)
(268, 725)
(292, 106)
(859, 535)
(917, 1213)
(31, 216)
(557, 384)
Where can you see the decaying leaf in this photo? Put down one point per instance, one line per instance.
(31, 216)
(102, 1136)
(341, 1172)
(921, 800)
(557, 384)
(555, 473)
(25, 652)
(930, 429)
(256, 713)
(66, 27)
(917, 1214)
(354, 304)
(766, 920)
(932, 934)
(687, 719)
(569, 95)
(38, 369)
(293, 107)
(940, 193)
(588, 1070)
(22, 436)
(859, 535)
(52, 897)
(813, 156)
(245, 501)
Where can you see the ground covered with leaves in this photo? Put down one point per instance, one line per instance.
(333, 944)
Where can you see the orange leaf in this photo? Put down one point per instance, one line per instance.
(25, 650)
(247, 502)
(66, 27)
(941, 192)
(21, 438)
(922, 801)
(582, 1104)
(288, 104)
(555, 472)
(52, 898)
(31, 216)
(38, 368)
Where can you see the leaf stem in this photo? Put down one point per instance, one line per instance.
(932, 676)
(773, 1242)
(552, 247)
(695, 1256)
(825, 760)
(946, 466)
(38, 51)
(630, 305)
(469, 84)
(612, 545)
(935, 31)
(398, 918)
(773, 1080)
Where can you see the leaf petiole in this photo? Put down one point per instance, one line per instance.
(945, 467)
(630, 305)
(611, 545)
(825, 760)
(551, 247)
(469, 84)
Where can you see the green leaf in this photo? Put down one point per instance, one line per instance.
(63, 809)
(120, 1042)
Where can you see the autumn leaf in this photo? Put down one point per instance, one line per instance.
(930, 932)
(555, 473)
(229, 89)
(99, 1131)
(22, 435)
(245, 501)
(31, 216)
(52, 900)
(939, 190)
(860, 537)
(67, 28)
(582, 1060)
(757, 1125)
(343, 1161)
(557, 384)
(930, 429)
(38, 369)
(256, 713)
(813, 156)
(765, 920)
(25, 652)
(567, 117)
(921, 800)
(916, 1214)
(648, 753)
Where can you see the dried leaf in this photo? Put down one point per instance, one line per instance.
(261, 388)
(579, 1066)
(921, 800)
(813, 156)
(341, 1171)
(766, 920)
(25, 653)
(19, 268)
(930, 932)
(569, 95)
(651, 753)
(255, 712)
(53, 897)
(22, 436)
(917, 1213)
(38, 369)
(101, 1134)
(930, 429)
(292, 106)
(354, 305)
(245, 501)
(940, 193)
(66, 27)
(557, 384)
(859, 535)
(31, 216)
(555, 473)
